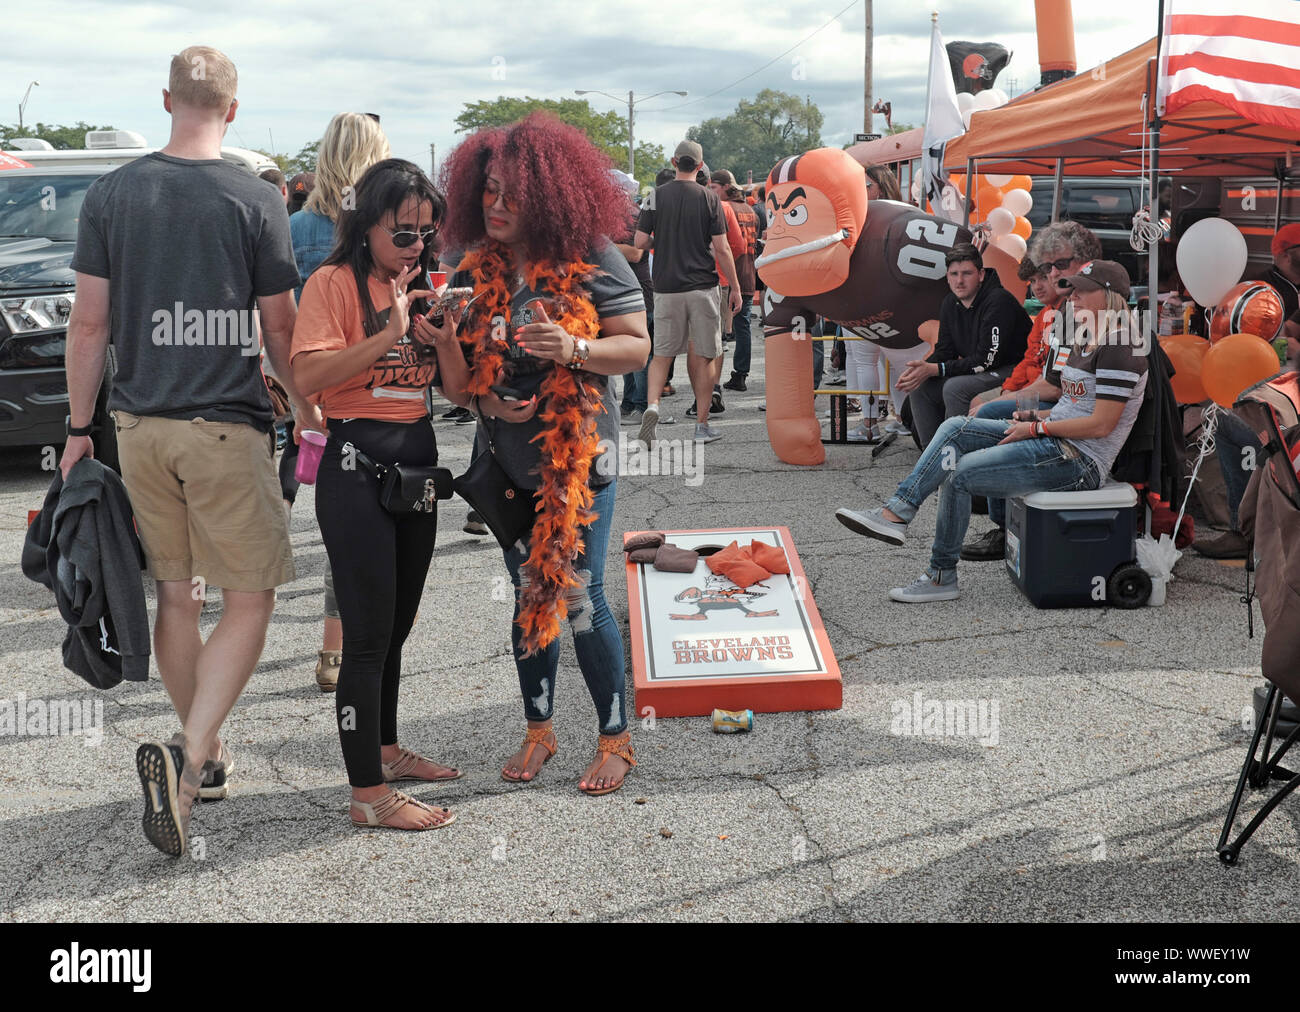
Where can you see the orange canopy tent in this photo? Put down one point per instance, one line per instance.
(1095, 123)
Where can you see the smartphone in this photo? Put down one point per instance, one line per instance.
(449, 297)
(507, 393)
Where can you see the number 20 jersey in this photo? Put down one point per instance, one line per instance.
(897, 280)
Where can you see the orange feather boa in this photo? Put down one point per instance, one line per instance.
(568, 441)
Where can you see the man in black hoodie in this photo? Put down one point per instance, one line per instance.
(983, 333)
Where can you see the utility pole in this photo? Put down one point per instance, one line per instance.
(866, 75)
(433, 160)
(631, 135)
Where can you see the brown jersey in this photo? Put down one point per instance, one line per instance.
(897, 280)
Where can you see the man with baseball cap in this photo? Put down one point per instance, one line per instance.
(1072, 448)
(686, 224)
(1284, 275)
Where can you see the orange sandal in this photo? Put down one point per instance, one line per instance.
(533, 737)
(619, 745)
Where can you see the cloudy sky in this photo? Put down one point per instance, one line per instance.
(418, 64)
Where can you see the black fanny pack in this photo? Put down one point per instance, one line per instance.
(508, 510)
(403, 488)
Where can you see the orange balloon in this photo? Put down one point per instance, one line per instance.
(1018, 183)
(1187, 353)
(1022, 227)
(989, 198)
(958, 179)
(1252, 307)
(1234, 363)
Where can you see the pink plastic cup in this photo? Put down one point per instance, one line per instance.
(310, 448)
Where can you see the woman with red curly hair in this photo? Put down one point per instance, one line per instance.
(555, 312)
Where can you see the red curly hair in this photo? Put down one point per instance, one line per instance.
(568, 201)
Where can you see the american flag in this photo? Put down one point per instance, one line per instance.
(1248, 61)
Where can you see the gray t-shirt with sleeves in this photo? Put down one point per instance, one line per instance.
(1110, 372)
(187, 246)
(614, 291)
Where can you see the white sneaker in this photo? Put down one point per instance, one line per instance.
(895, 427)
(863, 433)
(649, 420)
(706, 433)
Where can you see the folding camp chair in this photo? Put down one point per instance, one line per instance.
(1270, 518)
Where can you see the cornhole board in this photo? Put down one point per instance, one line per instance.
(735, 656)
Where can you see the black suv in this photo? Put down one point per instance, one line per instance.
(39, 208)
(1104, 205)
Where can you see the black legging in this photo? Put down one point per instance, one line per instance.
(380, 561)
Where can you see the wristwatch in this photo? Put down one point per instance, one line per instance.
(581, 349)
(77, 430)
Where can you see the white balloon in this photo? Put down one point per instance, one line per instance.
(1002, 96)
(965, 117)
(916, 188)
(1018, 202)
(985, 100)
(1211, 257)
(1012, 244)
(964, 101)
(996, 180)
(1001, 221)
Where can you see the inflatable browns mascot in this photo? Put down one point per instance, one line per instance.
(879, 272)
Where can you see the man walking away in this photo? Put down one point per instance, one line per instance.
(688, 229)
(173, 252)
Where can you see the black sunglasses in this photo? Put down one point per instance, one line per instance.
(404, 239)
(1060, 265)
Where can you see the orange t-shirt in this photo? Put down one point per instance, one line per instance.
(393, 388)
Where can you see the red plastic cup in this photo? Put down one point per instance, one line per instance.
(437, 279)
(311, 447)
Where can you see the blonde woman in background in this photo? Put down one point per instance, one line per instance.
(352, 143)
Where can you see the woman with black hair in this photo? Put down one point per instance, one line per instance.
(354, 351)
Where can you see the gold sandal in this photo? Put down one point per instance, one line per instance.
(403, 766)
(533, 737)
(378, 813)
(619, 745)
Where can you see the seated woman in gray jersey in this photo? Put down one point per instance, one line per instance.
(1070, 448)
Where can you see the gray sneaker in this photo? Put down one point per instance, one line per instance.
(649, 420)
(632, 417)
(873, 524)
(929, 587)
(706, 433)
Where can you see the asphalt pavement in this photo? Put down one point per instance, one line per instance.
(1119, 738)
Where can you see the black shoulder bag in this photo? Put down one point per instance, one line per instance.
(508, 511)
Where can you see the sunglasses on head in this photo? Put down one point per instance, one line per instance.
(404, 239)
(490, 194)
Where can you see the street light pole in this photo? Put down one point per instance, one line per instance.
(23, 104)
(631, 118)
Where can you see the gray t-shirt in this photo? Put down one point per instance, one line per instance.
(1111, 372)
(186, 246)
(614, 292)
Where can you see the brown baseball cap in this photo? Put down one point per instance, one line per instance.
(1098, 275)
(691, 150)
(722, 177)
(303, 183)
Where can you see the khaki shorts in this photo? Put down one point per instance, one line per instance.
(688, 319)
(207, 501)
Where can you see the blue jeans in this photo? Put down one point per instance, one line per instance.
(596, 637)
(1230, 438)
(634, 391)
(964, 459)
(740, 327)
(1003, 410)
(818, 355)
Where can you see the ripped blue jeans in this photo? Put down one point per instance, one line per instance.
(596, 637)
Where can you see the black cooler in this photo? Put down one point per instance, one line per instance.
(1077, 549)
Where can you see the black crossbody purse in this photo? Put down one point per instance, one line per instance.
(508, 510)
(404, 488)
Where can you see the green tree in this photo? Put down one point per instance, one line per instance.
(899, 128)
(607, 130)
(63, 138)
(762, 131)
(304, 160)
(282, 162)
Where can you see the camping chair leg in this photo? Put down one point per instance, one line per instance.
(1259, 774)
